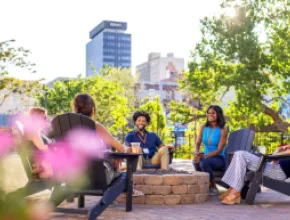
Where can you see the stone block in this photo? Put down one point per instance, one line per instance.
(203, 178)
(138, 179)
(201, 198)
(173, 180)
(146, 189)
(161, 190)
(193, 189)
(172, 199)
(204, 189)
(154, 199)
(188, 199)
(179, 190)
(135, 199)
(189, 179)
(153, 180)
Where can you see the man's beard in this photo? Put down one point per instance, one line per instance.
(141, 128)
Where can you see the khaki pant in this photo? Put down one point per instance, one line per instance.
(161, 157)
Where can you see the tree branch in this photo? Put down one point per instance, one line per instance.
(196, 118)
(277, 98)
(273, 114)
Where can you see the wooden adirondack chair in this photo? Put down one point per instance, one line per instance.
(33, 185)
(98, 183)
(255, 179)
(96, 172)
(238, 140)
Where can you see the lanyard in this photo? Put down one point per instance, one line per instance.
(143, 140)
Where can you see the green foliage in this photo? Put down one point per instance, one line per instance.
(13, 56)
(158, 120)
(113, 107)
(231, 56)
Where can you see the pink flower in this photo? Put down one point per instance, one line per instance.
(67, 163)
(30, 124)
(86, 142)
(6, 142)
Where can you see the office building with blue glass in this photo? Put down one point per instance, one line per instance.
(109, 45)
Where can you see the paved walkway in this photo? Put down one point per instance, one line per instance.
(268, 205)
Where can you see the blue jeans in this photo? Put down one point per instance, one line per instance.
(210, 164)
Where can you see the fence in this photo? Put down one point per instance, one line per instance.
(271, 140)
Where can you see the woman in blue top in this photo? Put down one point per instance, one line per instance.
(214, 137)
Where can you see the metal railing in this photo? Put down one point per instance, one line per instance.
(271, 140)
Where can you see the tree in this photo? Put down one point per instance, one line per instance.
(11, 57)
(59, 98)
(112, 105)
(158, 119)
(247, 55)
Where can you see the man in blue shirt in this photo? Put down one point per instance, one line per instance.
(154, 151)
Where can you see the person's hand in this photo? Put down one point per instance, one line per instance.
(116, 164)
(285, 147)
(171, 148)
(198, 157)
(36, 168)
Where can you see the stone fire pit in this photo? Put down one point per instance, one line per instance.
(170, 187)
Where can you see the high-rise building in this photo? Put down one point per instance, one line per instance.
(159, 68)
(109, 45)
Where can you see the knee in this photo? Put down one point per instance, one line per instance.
(203, 164)
(163, 150)
(240, 153)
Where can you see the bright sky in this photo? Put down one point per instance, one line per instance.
(56, 31)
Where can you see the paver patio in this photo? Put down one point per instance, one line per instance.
(268, 205)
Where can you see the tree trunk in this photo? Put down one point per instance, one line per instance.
(278, 126)
(273, 114)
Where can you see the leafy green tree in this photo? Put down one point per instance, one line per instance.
(246, 54)
(13, 57)
(112, 105)
(158, 119)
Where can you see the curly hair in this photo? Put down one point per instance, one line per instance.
(143, 114)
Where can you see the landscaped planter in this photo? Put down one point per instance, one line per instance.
(170, 189)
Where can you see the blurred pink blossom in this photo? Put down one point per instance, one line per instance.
(30, 124)
(86, 142)
(66, 162)
(69, 157)
(6, 142)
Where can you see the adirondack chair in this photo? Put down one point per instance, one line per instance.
(33, 185)
(238, 140)
(255, 179)
(98, 184)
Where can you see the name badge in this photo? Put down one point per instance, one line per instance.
(145, 150)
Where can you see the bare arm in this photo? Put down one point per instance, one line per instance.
(222, 144)
(108, 138)
(38, 142)
(198, 140)
(284, 152)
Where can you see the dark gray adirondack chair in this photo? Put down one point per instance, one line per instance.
(238, 140)
(98, 183)
(255, 179)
